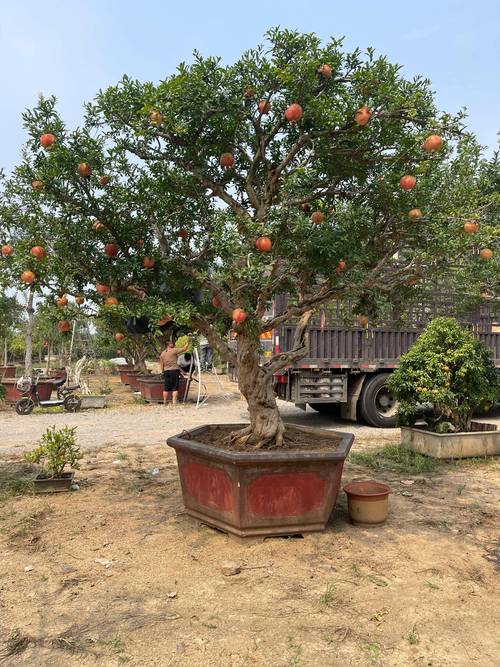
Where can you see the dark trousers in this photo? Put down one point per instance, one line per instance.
(206, 357)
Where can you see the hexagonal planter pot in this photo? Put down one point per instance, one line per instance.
(123, 370)
(151, 388)
(260, 493)
(484, 440)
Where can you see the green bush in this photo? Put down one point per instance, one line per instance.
(58, 449)
(447, 367)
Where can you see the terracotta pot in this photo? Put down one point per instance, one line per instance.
(368, 502)
(134, 377)
(44, 390)
(250, 493)
(151, 388)
(8, 371)
(124, 369)
(53, 484)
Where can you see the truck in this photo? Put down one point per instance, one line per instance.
(346, 369)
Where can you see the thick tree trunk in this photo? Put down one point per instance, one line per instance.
(266, 426)
(28, 337)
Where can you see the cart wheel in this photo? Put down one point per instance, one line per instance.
(72, 403)
(24, 406)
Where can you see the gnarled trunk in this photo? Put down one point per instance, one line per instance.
(266, 426)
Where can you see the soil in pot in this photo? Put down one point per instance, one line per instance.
(43, 484)
(295, 440)
(368, 502)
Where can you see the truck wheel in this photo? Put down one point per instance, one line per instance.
(327, 409)
(377, 404)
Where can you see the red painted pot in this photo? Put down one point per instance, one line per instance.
(8, 371)
(44, 390)
(151, 388)
(250, 493)
(134, 377)
(123, 369)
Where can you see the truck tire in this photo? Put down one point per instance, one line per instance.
(377, 405)
(327, 409)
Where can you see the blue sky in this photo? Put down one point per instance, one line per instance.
(71, 48)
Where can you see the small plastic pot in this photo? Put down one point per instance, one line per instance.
(368, 502)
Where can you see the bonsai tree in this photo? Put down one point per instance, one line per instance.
(57, 450)
(299, 169)
(449, 368)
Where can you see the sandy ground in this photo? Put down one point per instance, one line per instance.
(116, 572)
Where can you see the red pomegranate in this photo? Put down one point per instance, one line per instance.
(471, 227)
(216, 302)
(111, 249)
(111, 301)
(305, 207)
(64, 326)
(148, 262)
(7, 250)
(486, 253)
(264, 244)
(38, 252)
(293, 113)
(362, 116)
(408, 182)
(28, 277)
(47, 140)
(415, 214)
(62, 301)
(317, 217)
(325, 71)
(102, 289)
(84, 170)
(119, 337)
(433, 143)
(340, 266)
(183, 234)
(226, 160)
(239, 315)
(264, 107)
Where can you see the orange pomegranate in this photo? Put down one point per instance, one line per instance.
(102, 289)
(486, 253)
(363, 320)
(293, 113)
(226, 160)
(62, 301)
(111, 249)
(156, 117)
(216, 302)
(362, 116)
(408, 182)
(325, 71)
(37, 185)
(317, 217)
(148, 262)
(340, 266)
(84, 170)
(111, 301)
(28, 277)
(119, 337)
(97, 225)
(64, 326)
(433, 143)
(79, 300)
(7, 250)
(47, 140)
(104, 180)
(471, 227)
(239, 315)
(415, 214)
(38, 252)
(264, 244)
(264, 107)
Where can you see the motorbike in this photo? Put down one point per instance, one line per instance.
(65, 396)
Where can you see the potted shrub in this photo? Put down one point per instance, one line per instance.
(452, 374)
(57, 450)
(217, 208)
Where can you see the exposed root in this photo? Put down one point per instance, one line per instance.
(238, 439)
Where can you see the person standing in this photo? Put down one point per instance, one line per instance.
(206, 354)
(171, 371)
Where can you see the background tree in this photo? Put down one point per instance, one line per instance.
(299, 169)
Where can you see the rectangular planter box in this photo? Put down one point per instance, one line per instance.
(93, 402)
(12, 394)
(55, 485)
(484, 441)
(134, 377)
(252, 493)
(123, 370)
(7, 371)
(151, 388)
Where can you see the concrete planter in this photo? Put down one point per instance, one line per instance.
(93, 402)
(483, 441)
(151, 388)
(260, 493)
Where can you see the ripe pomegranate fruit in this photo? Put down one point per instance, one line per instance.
(305, 208)
(362, 116)
(183, 234)
(249, 93)
(325, 71)
(408, 182)
(415, 214)
(239, 315)
(37, 185)
(433, 143)
(64, 326)
(216, 302)
(119, 337)
(62, 301)
(79, 300)
(340, 266)
(264, 244)
(102, 289)
(38, 252)
(97, 225)
(111, 301)
(293, 113)
(471, 227)
(164, 320)
(111, 249)
(156, 117)
(47, 140)
(104, 180)
(317, 217)
(226, 160)
(363, 320)
(7, 250)
(84, 170)
(28, 277)
(264, 107)
(139, 243)
(148, 262)
(486, 253)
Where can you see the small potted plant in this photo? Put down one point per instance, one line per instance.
(57, 450)
(452, 375)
